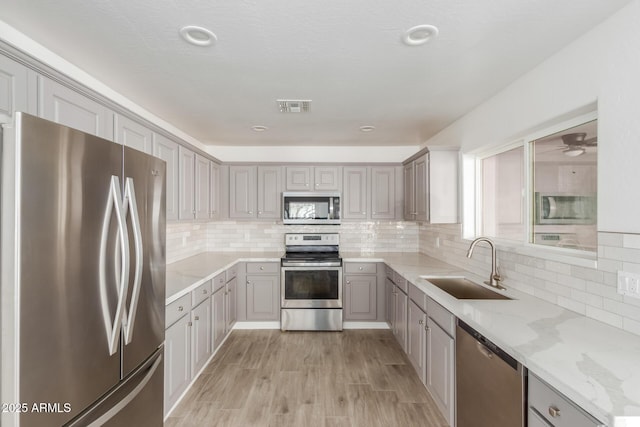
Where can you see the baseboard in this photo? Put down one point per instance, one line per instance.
(365, 325)
(257, 325)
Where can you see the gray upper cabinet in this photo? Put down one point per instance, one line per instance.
(202, 182)
(18, 89)
(409, 192)
(133, 134)
(369, 192)
(186, 175)
(62, 105)
(299, 178)
(269, 192)
(421, 170)
(215, 188)
(355, 200)
(167, 150)
(313, 178)
(383, 192)
(242, 192)
(431, 187)
(327, 178)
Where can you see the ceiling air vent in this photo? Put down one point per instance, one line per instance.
(294, 105)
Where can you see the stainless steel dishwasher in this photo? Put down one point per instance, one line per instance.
(490, 384)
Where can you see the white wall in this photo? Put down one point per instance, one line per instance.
(602, 66)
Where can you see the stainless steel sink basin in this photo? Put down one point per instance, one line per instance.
(463, 288)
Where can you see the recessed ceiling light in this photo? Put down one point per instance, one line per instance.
(419, 35)
(198, 36)
(367, 128)
(259, 128)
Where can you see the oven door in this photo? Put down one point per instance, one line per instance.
(311, 287)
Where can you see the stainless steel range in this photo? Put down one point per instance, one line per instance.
(311, 283)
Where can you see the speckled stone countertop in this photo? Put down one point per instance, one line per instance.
(595, 365)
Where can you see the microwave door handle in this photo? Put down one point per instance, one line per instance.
(552, 207)
(330, 208)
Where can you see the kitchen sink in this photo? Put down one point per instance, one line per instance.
(463, 288)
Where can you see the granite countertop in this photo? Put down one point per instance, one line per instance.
(595, 365)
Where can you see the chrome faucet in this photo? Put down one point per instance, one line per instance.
(494, 279)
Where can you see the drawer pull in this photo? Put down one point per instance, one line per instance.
(204, 291)
(554, 412)
(180, 308)
(190, 324)
(261, 268)
(197, 318)
(420, 322)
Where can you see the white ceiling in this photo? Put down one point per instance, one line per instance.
(346, 56)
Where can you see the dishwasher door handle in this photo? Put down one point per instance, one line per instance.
(484, 350)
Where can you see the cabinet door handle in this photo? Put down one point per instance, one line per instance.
(348, 282)
(180, 308)
(250, 212)
(420, 322)
(554, 412)
(427, 328)
(197, 318)
(204, 291)
(248, 282)
(190, 324)
(261, 268)
(360, 268)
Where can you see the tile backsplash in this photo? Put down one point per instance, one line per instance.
(187, 239)
(588, 291)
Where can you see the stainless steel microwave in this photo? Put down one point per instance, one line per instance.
(562, 208)
(310, 207)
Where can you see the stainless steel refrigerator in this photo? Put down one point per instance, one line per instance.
(83, 279)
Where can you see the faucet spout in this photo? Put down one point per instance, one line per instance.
(494, 279)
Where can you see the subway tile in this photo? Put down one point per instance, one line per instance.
(630, 325)
(573, 305)
(610, 239)
(604, 316)
(631, 241)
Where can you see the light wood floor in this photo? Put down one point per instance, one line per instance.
(273, 378)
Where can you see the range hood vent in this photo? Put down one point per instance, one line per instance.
(294, 105)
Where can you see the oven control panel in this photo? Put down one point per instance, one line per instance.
(311, 239)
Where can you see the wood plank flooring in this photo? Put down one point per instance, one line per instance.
(333, 379)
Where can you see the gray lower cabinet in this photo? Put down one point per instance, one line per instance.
(263, 302)
(440, 363)
(417, 339)
(63, 105)
(167, 150)
(360, 297)
(177, 350)
(133, 134)
(200, 336)
(219, 323)
(390, 303)
(231, 304)
(549, 408)
(18, 89)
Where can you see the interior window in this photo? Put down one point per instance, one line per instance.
(502, 201)
(564, 180)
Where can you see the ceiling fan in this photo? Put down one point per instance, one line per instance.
(575, 144)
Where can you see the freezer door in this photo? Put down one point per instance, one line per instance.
(144, 193)
(136, 402)
(68, 274)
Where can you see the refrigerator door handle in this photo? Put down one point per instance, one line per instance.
(112, 327)
(130, 200)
